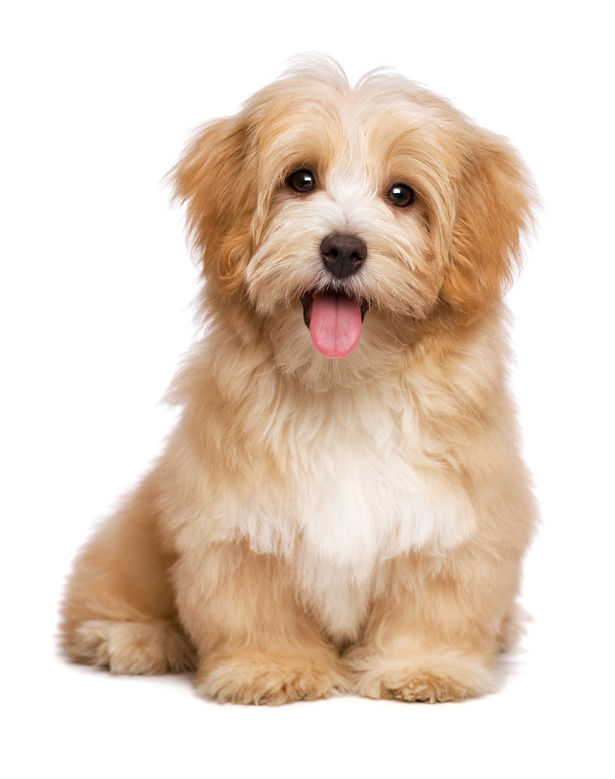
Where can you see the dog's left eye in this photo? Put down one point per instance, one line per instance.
(302, 181)
(400, 195)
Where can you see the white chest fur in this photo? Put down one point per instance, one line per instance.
(359, 491)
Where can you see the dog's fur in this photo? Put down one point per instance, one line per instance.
(322, 524)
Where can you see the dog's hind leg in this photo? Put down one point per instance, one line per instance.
(119, 610)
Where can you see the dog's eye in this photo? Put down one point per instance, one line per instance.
(302, 181)
(400, 195)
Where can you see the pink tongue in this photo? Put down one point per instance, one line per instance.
(335, 324)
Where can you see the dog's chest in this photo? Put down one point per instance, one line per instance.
(358, 493)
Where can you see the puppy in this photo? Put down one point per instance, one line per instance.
(343, 505)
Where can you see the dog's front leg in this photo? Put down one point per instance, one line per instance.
(255, 643)
(435, 630)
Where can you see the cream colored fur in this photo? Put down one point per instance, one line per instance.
(318, 525)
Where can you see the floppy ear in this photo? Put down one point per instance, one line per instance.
(493, 211)
(215, 180)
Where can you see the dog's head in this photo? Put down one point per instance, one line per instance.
(359, 215)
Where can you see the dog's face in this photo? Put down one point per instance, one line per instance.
(348, 219)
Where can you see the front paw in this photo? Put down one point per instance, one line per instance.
(428, 676)
(259, 678)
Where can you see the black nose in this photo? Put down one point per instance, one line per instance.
(343, 255)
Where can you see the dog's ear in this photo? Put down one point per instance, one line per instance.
(216, 182)
(493, 211)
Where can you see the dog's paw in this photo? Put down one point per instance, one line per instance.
(131, 647)
(257, 678)
(431, 677)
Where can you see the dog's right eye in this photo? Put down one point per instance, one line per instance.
(302, 181)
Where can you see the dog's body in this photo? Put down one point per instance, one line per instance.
(318, 523)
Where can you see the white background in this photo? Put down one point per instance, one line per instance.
(97, 102)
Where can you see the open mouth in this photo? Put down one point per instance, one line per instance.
(334, 320)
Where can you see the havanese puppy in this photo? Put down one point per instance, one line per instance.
(343, 505)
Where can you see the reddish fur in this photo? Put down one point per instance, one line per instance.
(160, 586)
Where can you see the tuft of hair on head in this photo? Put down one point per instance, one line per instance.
(315, 66)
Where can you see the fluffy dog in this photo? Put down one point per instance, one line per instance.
(343, 505)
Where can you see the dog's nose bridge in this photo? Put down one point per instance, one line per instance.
(352, 192)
